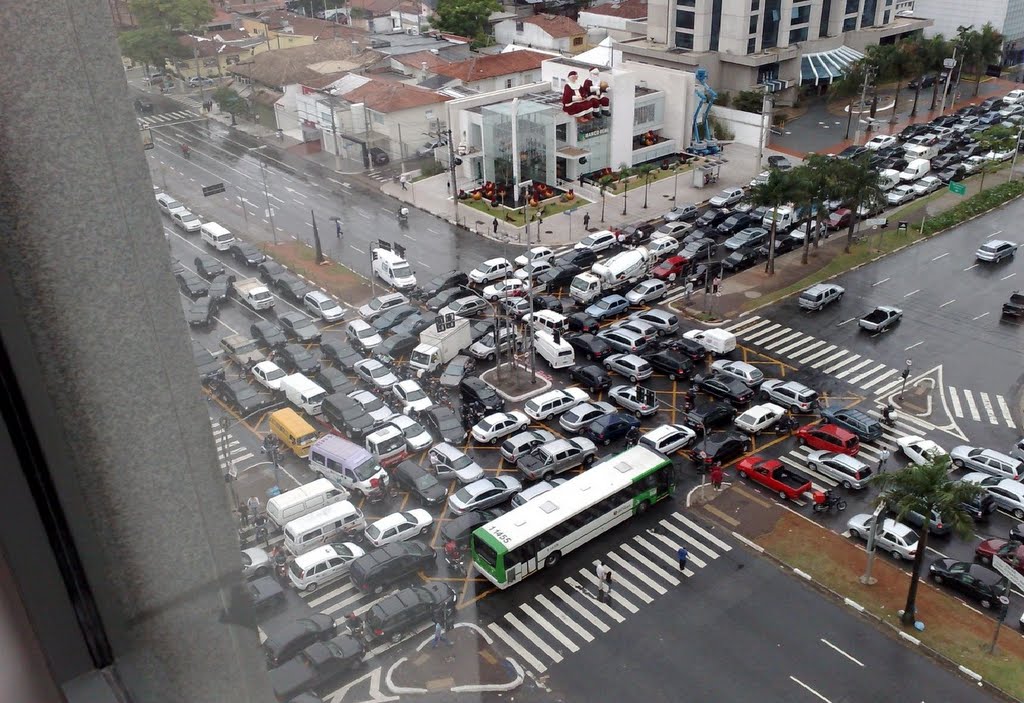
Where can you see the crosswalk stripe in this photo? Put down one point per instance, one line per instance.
(615, 593)
(878, 380)
(760, 333)
(651, 566)
(775, 336)
(608, 610)
(971, 407)
(815, 355)
(829, 359)
(245, 457)
(696, 561)
(618, 580)
(566, 620)
(859, 377)
(517, 648)
(534, 639)
(552, 630)
(698, 545)
(644, 578)
(806, 341)
(745, 322)
(855, 367)
(1005, 409)
(724, 546)
(586, 614)
(889, 387)
(784, 340)
(669, 559)
(342, 604)
(954, 400)
(324, 597)
(842, 363)
(989, 410)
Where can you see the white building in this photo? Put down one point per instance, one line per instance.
(1007, 16)
(618, 20)
(550, 32)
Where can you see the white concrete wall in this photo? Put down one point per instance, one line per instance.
(678, 89)
(743, 124)
(950, 14)
(532, 36)
(622, 88)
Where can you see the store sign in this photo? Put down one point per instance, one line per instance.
(585, 133)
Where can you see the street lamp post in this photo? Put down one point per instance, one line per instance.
(905, 375)
(271, 445)
(266, 193)
(675, 183)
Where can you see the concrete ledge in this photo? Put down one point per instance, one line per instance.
(480, 688)
(753, 545)
(854, 604)
(909, 638)
(802, 574)
(543, 384)
(400, 689)
(967, 672)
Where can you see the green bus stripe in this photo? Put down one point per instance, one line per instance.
(491, 541)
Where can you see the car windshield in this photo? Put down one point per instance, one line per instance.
(375, 304)
(401, 271)
(464, 496)
(367, 470)
(424, 481)
(365, 332)
(412, 429)
(415, 394)
(274, 374)
(371, 403)
(373, 532)
(486, 426)
(379, 371)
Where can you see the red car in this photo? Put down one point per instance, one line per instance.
(991, 548)
(670, 268)
(839, 219)
(829, 437)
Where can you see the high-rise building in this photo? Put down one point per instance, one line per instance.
(1007, 16)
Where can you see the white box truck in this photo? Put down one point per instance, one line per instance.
(438, 348)
(620, 271)
(716, 341)
(253, 293)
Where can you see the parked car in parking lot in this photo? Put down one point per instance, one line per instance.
(609, 428)
(668, 439)
(591, 376)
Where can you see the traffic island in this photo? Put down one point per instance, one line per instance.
(469, 664)
(516, 383)
(341, 282)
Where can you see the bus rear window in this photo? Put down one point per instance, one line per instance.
(485, 552)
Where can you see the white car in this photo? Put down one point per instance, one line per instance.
(532, 269)
(416, 438)
(508, 288)
(269, 375)
(1011, 110)
(660, 247)
(375, 373)
(374, 406)
(362, 335)
(380, 305)
(597, 241)
(583, 414)
(412, 396)
(662, 321)
(668, 438)
(1014, 97)
(671, 229)
(491, 270)
(522, 442)
(1009, 495)
(647, 292)
(891, 536)
(632, 398)
(534, 254)
(759, 417)
(880, 142)
(186, 220)
(554, 403)
(900, 194)
(398, 527)
(920, 450)
(497, 425)
(647, 330)
(323, 306)
(973, 164)
(740, 370)
(448, 461)
(1001, 155)
(729, 196)
(928, 184)
(629, 365)
(995, 250)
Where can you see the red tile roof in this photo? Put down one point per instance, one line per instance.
(557, 26)
(417, 59)
(387, 97)
(492, 66)
(629, 9)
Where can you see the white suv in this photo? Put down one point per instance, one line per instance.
(323, 306)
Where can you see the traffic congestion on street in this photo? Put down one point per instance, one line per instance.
(412, 456)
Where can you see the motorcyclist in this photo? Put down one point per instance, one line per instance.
(185, 150)
(403, 214)
(887, 414)
(452, 552)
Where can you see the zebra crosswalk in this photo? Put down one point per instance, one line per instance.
(230, 452)
(164, 119)
(378, 176)
(864, 373)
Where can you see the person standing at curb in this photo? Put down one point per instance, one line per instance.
(439, 630)
(683, 556)
(716, 476)
(604, 581)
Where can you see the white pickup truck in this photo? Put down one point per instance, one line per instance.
(253, 293)
(880, 319)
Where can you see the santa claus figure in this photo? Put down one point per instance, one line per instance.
(574, 101)
(597, 90)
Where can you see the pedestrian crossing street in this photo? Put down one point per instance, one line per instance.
(567, 616)
(226, 443)
(168, 118)
(863, 373)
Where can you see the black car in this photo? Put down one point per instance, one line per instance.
(333, 380)
(953, 173)
(461, 528)
(591, 376)
(440, 282)
(990, 103)
(977, 582)
(444, 423)
(704, 273)
(911, 131)
(240, 395)
(269, 270)
(392, 318)
(419, 482)
(377, 156)
(287, 640)
(700, 250)
(443, 298)
(341, 354)
(246, 254)
(414, 324)
(690, 348)
(394, 348)
(971, 150)
(398, 561)
(548, 302)
(1017, 532)
(557, 276)
(947, 147)
(670, 362)
(779, 162)
(925, 81)
(176, 267)
(206, 363)
(192, 285)
(582, 322)
(476, 391)
(712, 218)
(589, 346)
(254, 598)
(709, 416)
(721, 447)
(607, 429)
(290, 285)
(347, 416)
(896, 163)
(784, 243)
(267, 334)
(735, 391)
(219, 287)
(143, 107)
(208, 266)
(634, 235)
(736, 222)
(742, 258)
(298, 327)
(293, 357)
(402, 612)
(584, 258)
(201, 312)
(315, 665)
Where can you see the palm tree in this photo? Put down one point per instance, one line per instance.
(624, 173)
(996, 138)
(645, 171)
(906, 63)
(859, 185)
(985, 47)
(848, 87)
(933, 52)
(605, 183)
(779, 189)
(925, 490)
(816, 184)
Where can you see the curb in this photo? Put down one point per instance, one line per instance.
(516, 398)
(481, 688)
(399, 689)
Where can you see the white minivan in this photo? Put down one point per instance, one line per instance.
(393, 269)
(346, 464)
(324, 564)
(915, 169)
(324, 526)
(293, 504)
(558, 354)
(216, 236)
(303, 393)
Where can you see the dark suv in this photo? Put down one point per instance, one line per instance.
(856, 421)
(347, 416)
(392, 562)
(403, 611)
(474, 390)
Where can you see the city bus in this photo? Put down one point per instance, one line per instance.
(542, 531)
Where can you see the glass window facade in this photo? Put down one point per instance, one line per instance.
(867, 18)
(684, 19)
(798, 35)
(849, 24)
(684, 40)
(800, 15)
(716, 23)
(753, 25)
(535, 141)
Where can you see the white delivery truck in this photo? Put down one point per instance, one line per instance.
(620, 271)
(784, 217)
(253, 293)
(438, 348)
(716, 341)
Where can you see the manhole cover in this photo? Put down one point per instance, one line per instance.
(752, 294)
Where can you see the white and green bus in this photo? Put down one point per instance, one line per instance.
(544, 530)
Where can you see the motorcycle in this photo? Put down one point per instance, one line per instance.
(281, 567)
(889, 416)
(354, 623)
(403, 216)
(825, 501)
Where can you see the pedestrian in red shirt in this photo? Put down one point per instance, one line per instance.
(716, 477)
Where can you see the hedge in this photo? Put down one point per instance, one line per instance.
(974, 205)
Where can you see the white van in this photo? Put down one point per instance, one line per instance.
(322, 565)
(216, 236)
(293, 504)
(915, 169)
(346, 464)
(784, 218)
(303, 393)
(921, 151)
(393, 269)
(330, 524)
(716, 341)
(558, 354)
(546, 319)
(888, 179)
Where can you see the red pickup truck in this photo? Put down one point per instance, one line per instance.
(772, 474)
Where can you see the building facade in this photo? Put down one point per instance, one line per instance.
(549, 32)
(1007, 16)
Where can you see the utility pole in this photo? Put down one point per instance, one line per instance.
(266, 194)
(869, 74)
(762, 141)
(949, 65)
(452, 163)
(529, 293)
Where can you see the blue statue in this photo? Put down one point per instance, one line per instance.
(703, 141)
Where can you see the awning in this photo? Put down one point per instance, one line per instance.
(827, 66)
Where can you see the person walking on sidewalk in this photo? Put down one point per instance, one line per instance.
(439, 630)
(254, 506)
(586, 221)
(494, 225)
(683, 556)
(402, 180)
(604, 580)
(716, 476)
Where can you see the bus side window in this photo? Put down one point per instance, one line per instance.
(650, 480)
(512, 558)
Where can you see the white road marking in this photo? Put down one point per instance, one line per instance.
(859, 377)
(972, 266)
(955, 402)
(665, 576)
(912, 293)
(552, 630)
(747, 326)
(566, 620)
(801, 340)
(669, 559)
(855, 661)
(586, 614)
(1005, 409)
(989, 409)
(537, 641)
(878, 283)
(675, 548)
(776, 335)
(978, 317)
(614, 594)
(816, 354)
(841, 363)
(916, 344)
(846, 322)
(803, 352)
(948, 302)
(971, 407)
(855, 367)
(517, 648)
(941, 256)
(829, 359)
(760, 333)
(359, 250)
(888, 387)
(647, 580)
(1006, 277)
(618, 580)
(801, 683)
(607, 609)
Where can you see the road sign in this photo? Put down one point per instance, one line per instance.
(1016, 578)
(949, 63)
(213, 190)
(958, 188)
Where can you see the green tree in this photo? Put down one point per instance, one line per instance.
(748, 101)
(780, 189)
(624, 173)
(997, 138)
(182, 15)
(860, 185)
(820, 180)
(847, 88)
(925, 490)
(980, 48)
(605, 183)
(905, 63)
(230, 102)
(646, 171)
(934, 51)
(151, 46)
(467, 18)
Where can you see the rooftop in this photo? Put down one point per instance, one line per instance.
(556, 26)
(629, 9)
(492, 66)
(386, 97)
(305, 64)
(208, 47)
